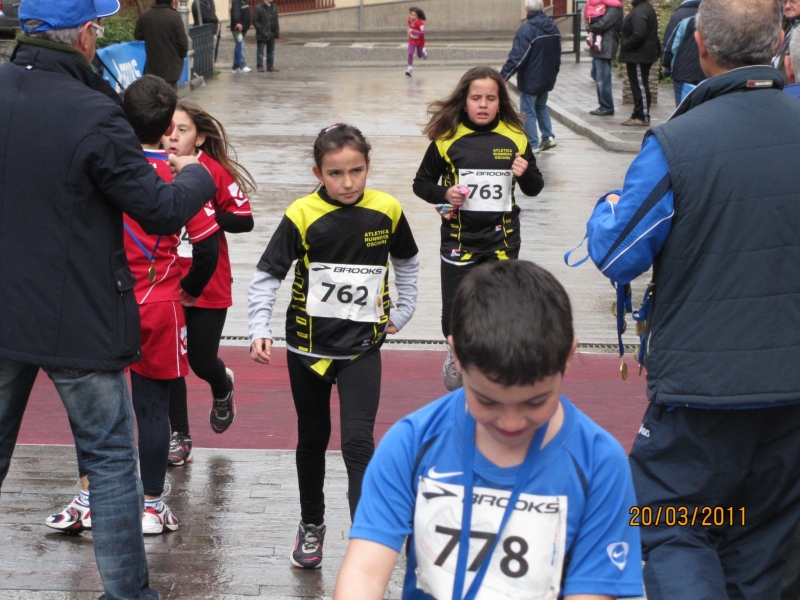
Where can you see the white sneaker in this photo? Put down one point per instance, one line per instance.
(73, 519)
(247, 70)
(154, 521)
(450, 375)
(236, 70)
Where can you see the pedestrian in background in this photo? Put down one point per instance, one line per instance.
(536, 59)
(712, 203)
(416, 37)
(680, 57)
(791, 16)
(639, 49)
(267, 31)
(204, 12)
(165, 41)
(608, 27)
(240, 24)
(793, 68)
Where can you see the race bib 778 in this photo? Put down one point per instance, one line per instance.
(528, 560)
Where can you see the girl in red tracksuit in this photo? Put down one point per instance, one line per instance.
(416, 37)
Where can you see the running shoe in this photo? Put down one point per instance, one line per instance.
(180, 450)
(224, 409)
(450, 375)
(307, 552)
(246, 70)
(424, 55)
(236, 70)
(156, 521)
(408, 71)
(547, 143)
(73, 519)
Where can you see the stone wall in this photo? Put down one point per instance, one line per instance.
(443, 15)
(627, 94)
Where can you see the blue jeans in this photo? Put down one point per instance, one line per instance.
(238, 52)
(269, 46)
(535, 110)
(98, 404)
(602, 69)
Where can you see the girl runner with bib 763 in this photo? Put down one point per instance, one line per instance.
(342, 238)
(480, 152)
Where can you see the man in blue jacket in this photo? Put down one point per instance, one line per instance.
(67, 304)
(715, 209)
(536, 58)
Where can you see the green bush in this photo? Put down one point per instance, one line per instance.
(119, 29)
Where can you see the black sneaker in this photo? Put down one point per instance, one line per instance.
(224, 409)
(307, 552)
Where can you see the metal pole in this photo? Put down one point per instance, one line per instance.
(576, 35)
(361, 16)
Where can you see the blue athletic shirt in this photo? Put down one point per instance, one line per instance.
(570, 531)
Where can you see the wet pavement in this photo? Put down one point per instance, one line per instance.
(239, 507)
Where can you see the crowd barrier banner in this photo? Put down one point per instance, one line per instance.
(126, 62)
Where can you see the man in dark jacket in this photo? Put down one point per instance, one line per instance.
(165, 41)
(204, 12)
(639, 49)
(240, 23)
(715, 209)
(267, 31)
(536, 58)
(608, 26)
(67, 304)
(680, 57)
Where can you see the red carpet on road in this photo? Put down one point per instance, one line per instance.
(265, 416)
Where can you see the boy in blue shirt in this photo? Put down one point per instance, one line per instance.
(507, 438)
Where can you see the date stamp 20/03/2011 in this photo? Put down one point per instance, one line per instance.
(687, 516)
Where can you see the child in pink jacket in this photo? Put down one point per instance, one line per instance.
(416, 37)
(594, 10)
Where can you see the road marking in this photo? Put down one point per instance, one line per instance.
(317, 44)
(367, 46)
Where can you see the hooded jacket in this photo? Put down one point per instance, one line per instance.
(66, 298)
(535, 55)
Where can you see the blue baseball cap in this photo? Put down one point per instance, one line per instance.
(63, 14)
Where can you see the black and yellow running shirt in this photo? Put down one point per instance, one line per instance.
(340, 295)
(481, 158)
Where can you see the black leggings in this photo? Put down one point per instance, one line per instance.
(203, 332)
(451, 276)
(359, 385)
(151, 405)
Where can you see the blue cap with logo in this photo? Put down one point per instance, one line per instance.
(44, 15)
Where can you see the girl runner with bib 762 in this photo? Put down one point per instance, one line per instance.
(342, 238)
(480, 152)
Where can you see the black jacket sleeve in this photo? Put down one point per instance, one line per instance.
(639, 27)
(285, 246)
(531, 182)
(426, 182)
(669, 32)
(231, 223)
(205, 255)
(115, 163)
(519, 50)
(607, 22)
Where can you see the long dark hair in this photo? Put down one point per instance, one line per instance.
(217, 146)
(446, 115)
(419, 11)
